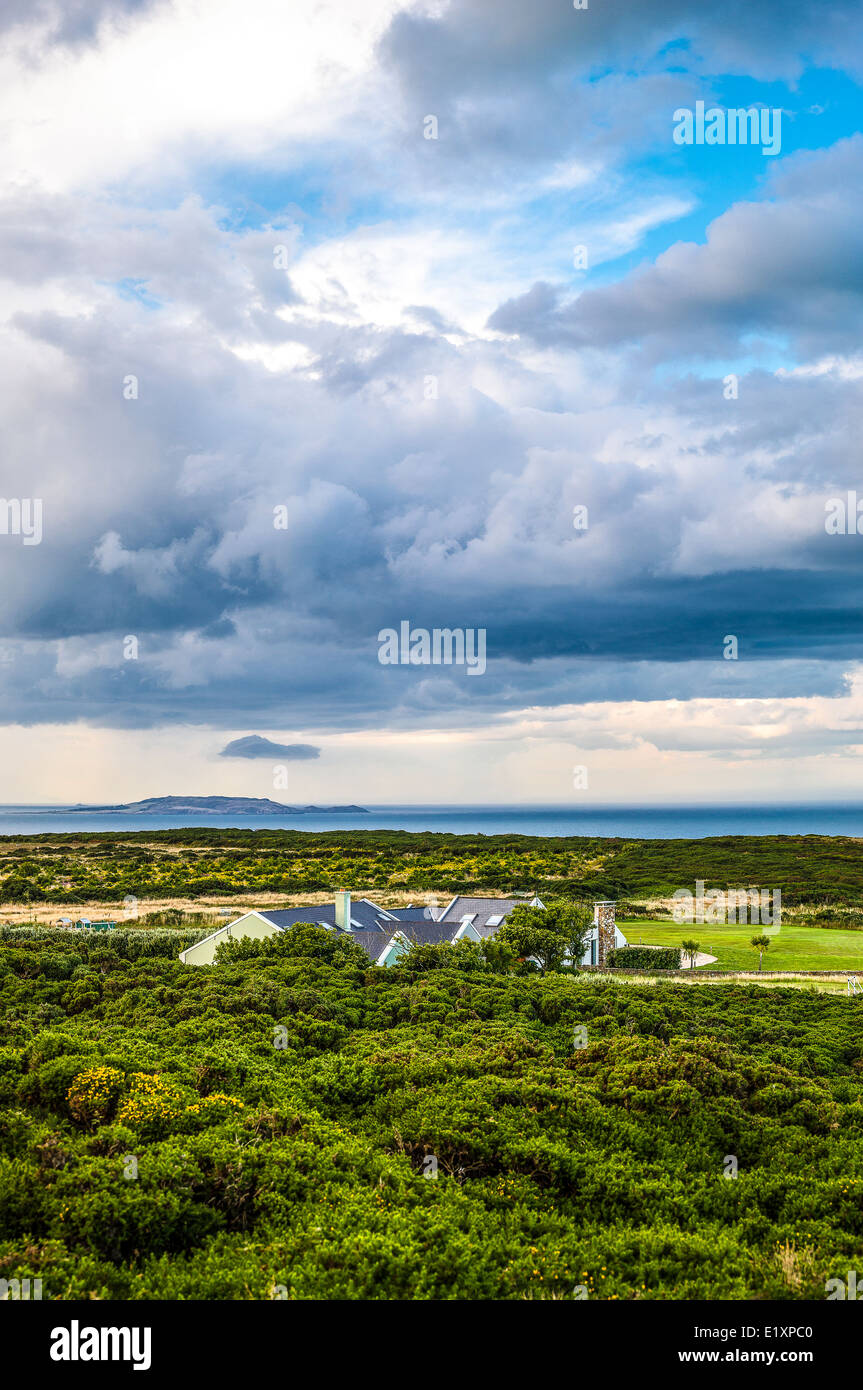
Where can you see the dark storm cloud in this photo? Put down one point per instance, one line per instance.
(253, 746)
(706, 515)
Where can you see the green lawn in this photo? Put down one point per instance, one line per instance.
(792, 948)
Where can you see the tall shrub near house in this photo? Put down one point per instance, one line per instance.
(551, 936)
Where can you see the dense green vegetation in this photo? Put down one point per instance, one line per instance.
(293, 1122)
(823, 872)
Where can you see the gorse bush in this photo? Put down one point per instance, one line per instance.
(295, 1117)
(93, 1095)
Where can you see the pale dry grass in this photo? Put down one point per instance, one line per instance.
(825, 984)
(48, 913)
(796, 1266)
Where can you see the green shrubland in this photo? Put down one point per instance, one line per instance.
(294, 1122)
(817, 874)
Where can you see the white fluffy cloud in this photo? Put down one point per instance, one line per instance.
(429, 385)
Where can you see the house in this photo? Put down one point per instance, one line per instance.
(385, 934)
(371, 926)
(414, 913)
(487, 915)
(484, 914)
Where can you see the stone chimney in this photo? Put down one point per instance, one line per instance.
(343, 909)
(603, 916)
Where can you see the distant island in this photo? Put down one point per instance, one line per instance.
(210, 805)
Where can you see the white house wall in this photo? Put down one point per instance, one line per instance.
(251, 925)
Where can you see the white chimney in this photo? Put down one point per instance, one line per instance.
(343, 909)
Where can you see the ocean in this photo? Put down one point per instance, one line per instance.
(638, 822)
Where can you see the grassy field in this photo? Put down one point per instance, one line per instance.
(792, 948)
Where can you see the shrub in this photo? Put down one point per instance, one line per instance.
(644, 958)
(464, 955)
(550, 936)
(304, 940)
(93, 1095)
(152, 1106)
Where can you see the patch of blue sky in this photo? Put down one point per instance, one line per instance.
(317, 198)
(328, 197)
(760, 352)
(135, 291)
(822, 109)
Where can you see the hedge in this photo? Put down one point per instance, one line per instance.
(644, 958)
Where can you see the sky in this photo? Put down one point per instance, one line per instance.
(321, 318)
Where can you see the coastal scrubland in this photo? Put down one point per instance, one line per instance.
(293, 1123)
(819, 875)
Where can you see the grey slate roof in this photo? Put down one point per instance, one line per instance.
(481, 909)
(374, 926)
(374, 943)
(368, 918)
(365, 916)
(429, 933)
